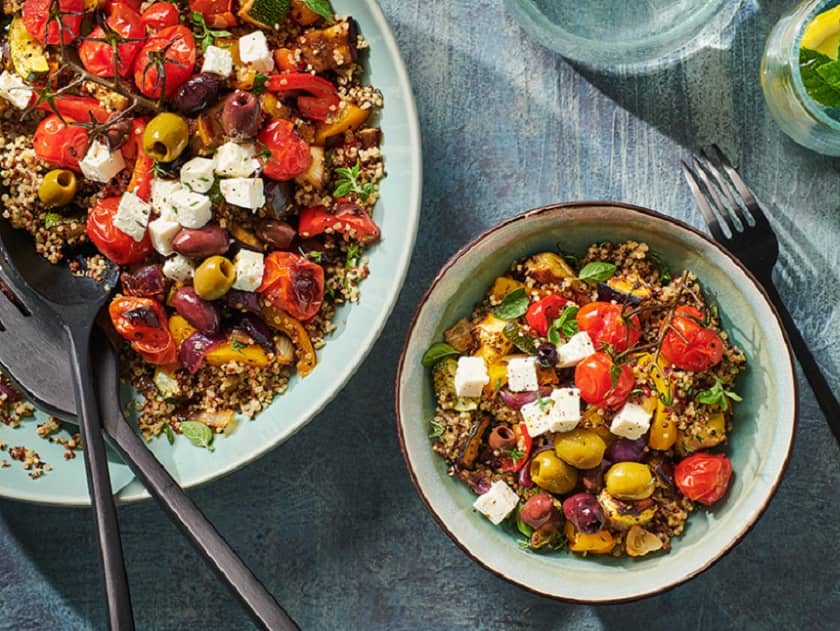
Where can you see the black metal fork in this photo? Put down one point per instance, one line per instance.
(737, 222)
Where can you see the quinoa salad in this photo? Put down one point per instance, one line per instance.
(587, 402)
(224, 157)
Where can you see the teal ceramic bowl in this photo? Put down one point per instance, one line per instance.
(759, 446)
(359, 325)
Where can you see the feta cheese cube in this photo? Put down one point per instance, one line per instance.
(235, 160)
(162, 192)
(578, 348)
(161, 233)
(217, 61)
(193, 210)
(178, 268)
(246, 192)
(100, 164)
(537, 416)
(497, 503)
(14, 90)
(249, 270)
(471, 377)
(253, 51)
(132, 216)
(522, 374)
(632, 421)
(565, 411)
(197, 174)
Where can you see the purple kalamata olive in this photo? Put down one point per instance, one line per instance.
(143, 316)
(593, 479)
(258, 330)
(515, 400)
(118, 133)
(9, 392)
(547, 355)
(276, 233)
(243, 300)
(584, 512)
(502, 437)
(197, 93)
(627, 450)
(146, 282)
(278, 197)
(241, 115)
(195, 348)
(537, 510)
(211, 240)
(202, 314)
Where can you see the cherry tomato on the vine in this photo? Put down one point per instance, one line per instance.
(609, 325)
(289, 152)
(688, 344)
(53, 23)
(143, 322)
(98, 56)
(112, 242)
(293, 283)
(544, 312)
(166, 60)
(602, 382)
(703, 477)
(60, 144)
(160, 15)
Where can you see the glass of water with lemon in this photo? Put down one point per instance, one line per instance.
(800, 74)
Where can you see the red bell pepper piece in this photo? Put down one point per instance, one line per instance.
(321, 99)
(542, 313)
(524, 442)
(142, 175)
(346, 217)
(76, 108)
(217, 13)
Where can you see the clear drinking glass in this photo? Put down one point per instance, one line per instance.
(800, 117)
(622, 32)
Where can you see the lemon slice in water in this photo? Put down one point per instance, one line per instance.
(823, 33)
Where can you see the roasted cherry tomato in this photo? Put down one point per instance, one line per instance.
(346, 217)
(320, 98)
(703, 477)
(97, 52)
(524, 442)
(76, 108)
(59, 143)
(217, 13)
(542, 313)
(165, 61)
(160, 15)
(688, 344)
(289, 152)
(143, 322)
(293, 283)
(603, 383)
(608, 324)
(112, 242)
(40, 20)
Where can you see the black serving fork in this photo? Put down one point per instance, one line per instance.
(728, 205)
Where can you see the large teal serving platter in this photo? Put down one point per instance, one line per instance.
(359, 326)
(759, 446)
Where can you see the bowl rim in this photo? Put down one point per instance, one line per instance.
(734, 540)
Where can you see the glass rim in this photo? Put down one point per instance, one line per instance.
(813, 107)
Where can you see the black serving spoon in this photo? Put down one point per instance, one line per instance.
(40, 368)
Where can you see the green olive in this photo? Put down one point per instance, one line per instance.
(630, 481)
(214, 277)
(58, 187)
(581, 448)
(552, 474)
(165, 137)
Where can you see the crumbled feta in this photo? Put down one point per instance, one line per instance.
(249, 270)
(178, 268)
(578, 348)
(197, 174)
(632, 421)
(253, 51)
(132, 216)
(14, 90)
(217, 61)
(193, 210)
(537, 416)
(235, 160)
(522, 374)
(497, 503)
(161, 233)
(565, 411)
(162, 192)
(471, 377)
(246, 192)
(100, 164)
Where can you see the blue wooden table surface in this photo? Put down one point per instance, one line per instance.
(330, 520)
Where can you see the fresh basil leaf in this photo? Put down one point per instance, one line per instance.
(718, 395)
(597, 271)
(436, 352)
(322, 8)
(565, 324)
(810, 61)
(523, 342)
(198, 434)
(513, 305)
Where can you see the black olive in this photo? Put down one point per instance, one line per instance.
(197, 93)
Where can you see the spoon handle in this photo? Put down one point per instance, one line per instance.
(118, 600)
(181, 509)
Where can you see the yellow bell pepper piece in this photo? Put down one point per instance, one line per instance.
(248, 354)
(349, 116)
(27, 53)
(497, 372)
(295, 331)
(602, 542)
(502, 286)
(180, 329)
(663, 431)
(713, 433)
(493, 343)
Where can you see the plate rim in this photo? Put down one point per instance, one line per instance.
(734, 540)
